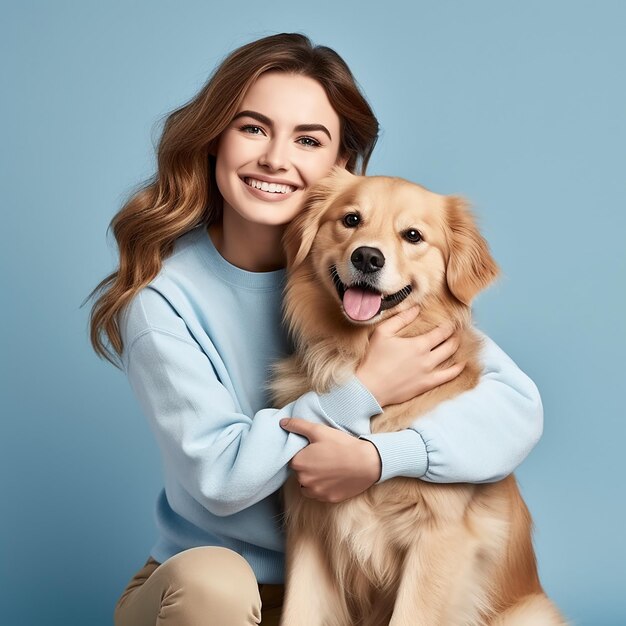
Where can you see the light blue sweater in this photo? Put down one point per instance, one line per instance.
(198, 341)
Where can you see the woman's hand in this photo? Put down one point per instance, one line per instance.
(334, 466)
(397, 369)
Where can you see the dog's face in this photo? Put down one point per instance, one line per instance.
(380, 244)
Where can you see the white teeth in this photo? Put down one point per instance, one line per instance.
(269, 187)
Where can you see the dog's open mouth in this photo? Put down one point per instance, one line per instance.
(362, 302)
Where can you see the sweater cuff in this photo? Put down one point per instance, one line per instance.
(402, 453)
(350, 406)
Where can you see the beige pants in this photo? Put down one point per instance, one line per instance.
(205, 586)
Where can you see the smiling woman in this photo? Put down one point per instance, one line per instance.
(193, 316)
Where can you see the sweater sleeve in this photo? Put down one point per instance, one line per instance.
(481, 435)
(226, 460)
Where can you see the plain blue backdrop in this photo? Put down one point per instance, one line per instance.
(519, 106)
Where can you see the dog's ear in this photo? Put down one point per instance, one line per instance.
(470, 266)
(300, 234)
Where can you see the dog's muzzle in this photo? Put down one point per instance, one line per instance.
(361, 300)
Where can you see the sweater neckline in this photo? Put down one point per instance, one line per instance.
(236, 275)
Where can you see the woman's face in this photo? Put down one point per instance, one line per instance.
(285, 133)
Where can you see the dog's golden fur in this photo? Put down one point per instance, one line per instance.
(405, 551)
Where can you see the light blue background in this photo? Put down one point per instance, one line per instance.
(521, 107)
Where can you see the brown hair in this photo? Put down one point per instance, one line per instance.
(183, 194)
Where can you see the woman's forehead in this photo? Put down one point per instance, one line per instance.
(290, 100)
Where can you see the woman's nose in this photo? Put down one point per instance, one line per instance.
(275, 156)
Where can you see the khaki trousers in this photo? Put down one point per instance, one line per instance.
(204, 586)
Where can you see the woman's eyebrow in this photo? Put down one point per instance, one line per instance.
(268, 122)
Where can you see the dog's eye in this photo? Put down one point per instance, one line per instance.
(413, 235)
(351, 220)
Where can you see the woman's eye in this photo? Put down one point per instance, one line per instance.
(413, 235)
(310, 141)
(250, 129)
(351, 220)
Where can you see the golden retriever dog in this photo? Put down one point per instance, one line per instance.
(405, 552)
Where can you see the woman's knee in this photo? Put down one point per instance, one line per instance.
(214, 576)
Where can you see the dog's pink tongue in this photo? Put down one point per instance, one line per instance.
(361, 305)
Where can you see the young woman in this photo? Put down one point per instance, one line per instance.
(194, 314)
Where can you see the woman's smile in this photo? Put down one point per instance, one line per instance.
(269, 192)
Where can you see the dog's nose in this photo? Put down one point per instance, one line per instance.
(367, 259)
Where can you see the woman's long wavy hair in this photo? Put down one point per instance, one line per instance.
(183, 193)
